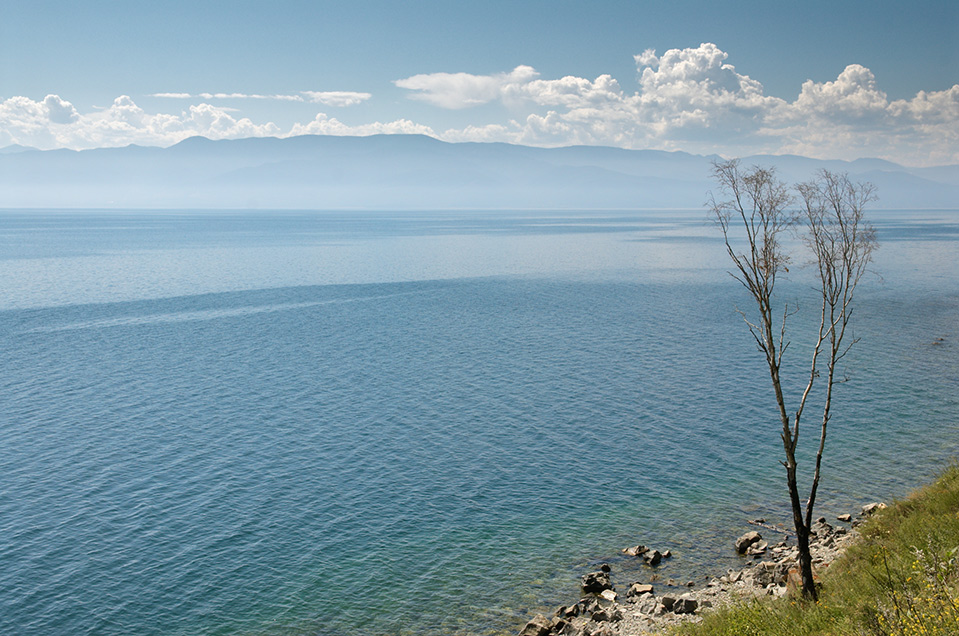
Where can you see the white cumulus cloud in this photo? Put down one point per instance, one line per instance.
(853, 97)
(325, 125)
(59, 111)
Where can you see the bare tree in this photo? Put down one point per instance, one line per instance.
(754, 219)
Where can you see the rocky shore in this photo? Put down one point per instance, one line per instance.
(640, 611)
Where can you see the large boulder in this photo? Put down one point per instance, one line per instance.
(560, 626)
(538, 626)
(685, 604)
(638, 589)
(596, 582)
(743, 542)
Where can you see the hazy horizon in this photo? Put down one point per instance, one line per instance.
(403, 172)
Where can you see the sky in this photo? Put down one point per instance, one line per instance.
(826, 79)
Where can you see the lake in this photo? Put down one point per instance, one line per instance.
(358, 423)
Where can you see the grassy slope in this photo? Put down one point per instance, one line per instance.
(900, 578)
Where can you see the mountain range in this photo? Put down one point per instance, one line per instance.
(410, 172)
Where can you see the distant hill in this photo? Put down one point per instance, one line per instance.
(15, 148)
(407, 172)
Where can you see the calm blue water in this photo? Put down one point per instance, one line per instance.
(382, 424)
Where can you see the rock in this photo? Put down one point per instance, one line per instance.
(743, 542)
(650, 606)
(638, 589)
(757, 548)
(667, 554)
(561, 626)
(596, 582)
(567, 612)
(821, 528)
(793, 583)
(598, 629)
(539, 626)
(636, 550)
(668, 602)
(685, 605)
(589, 605)
(605, 568)
(766, 573)
(607, 615)
(652, 557)
(871, 508)
(609, 595)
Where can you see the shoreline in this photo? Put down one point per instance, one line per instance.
(642, 610)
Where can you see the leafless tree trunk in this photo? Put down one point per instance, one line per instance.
(754, 218)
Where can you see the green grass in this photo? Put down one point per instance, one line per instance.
(901, 578)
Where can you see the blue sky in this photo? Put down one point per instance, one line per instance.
(828, 79)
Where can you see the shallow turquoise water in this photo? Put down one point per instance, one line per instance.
(356, 423)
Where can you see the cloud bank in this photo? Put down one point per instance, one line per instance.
(692, 99)
(55, 123)
(688, 99)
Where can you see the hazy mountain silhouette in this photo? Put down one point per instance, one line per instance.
(407, 172)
